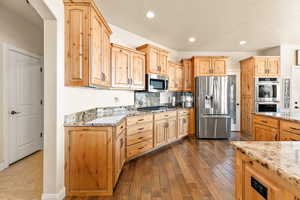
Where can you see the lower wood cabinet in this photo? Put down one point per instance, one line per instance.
(253, 182)
(120, 155)
(265, 133)
(160, 132)
(172, 130)
(89, 161)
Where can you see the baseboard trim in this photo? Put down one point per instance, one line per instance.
(3, 166)
(57, 196)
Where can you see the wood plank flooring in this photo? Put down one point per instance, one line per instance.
(190, 169)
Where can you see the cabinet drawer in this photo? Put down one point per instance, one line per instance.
(139, 137)
(287, 136)
(267, 121)
(183, 112)
(139, 119)
(139, 128)
(290, 126)
(120, 128)
(139, 148)
(165, 115)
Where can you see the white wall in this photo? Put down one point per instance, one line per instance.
(18, 32)
(291, 71)
(273, 51)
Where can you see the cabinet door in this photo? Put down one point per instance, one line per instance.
(97, 76)
(172, 77)
(273, 67)
(183, 125)
(163, 63)
(160, 130)
(153, 61)
(120, 155)
(76, 46)
(287, 136)
(188, 77)
(219, 67)
(88, 161)
(179, 78)
(138, 71)
(172, 130)
(120, 68)
(261, 67)
(258, 187)
(106, 60)
(265, 133)
(203, 67)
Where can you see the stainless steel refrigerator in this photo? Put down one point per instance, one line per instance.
(212, 103)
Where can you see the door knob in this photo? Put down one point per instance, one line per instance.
(14, 112)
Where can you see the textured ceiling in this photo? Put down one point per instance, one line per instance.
(218, 25)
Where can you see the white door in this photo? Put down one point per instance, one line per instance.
(25, 106)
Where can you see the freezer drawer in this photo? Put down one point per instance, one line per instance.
(214, 126)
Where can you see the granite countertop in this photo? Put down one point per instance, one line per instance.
(281, 115)
(111, 119)
(282, 158)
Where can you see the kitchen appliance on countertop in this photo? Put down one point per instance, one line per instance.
(157, 83)
(212, 99)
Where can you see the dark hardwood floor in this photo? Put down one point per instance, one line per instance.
(188, 169)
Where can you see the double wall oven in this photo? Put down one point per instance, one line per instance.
(267, 94)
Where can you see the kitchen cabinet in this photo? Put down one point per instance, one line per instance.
(176, 74)
(246, 115)
(139, 137)
(87, 47)
(255, 182)
(128, 68)
(172, 129)
(120, 155)
(89, 161)
(210, 66)
(156, 59)
(188, 75)
(183, 125)
(265, 133)
(160, 132)
(267, 66)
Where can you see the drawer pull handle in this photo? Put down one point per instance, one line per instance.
(264, 121)
(166, 115)
(296, 129)
(141, 129)
(121, 127)
(141, 147)
(140, 138)
(141, 120)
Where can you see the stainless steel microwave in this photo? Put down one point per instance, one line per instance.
(157, 83)
(267, 89)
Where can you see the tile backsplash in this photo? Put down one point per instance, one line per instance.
(147, 99)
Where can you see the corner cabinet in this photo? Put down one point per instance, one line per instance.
(128, 68)
(210, 66)
(156, 59)
(87, 46)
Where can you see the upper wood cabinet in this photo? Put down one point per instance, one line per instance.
(87, 47)
(210, 66)
(176, 75)
(266, 66)
(128, 68)
(188, 75)
(156, 59)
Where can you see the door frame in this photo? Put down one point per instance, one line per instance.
(237, 97)
(5, 105)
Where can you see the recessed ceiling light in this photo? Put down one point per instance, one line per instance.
(192, 39)
(150, 14)
(243, 42)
